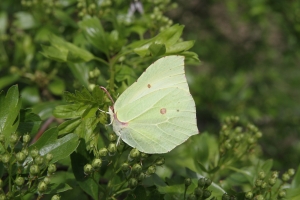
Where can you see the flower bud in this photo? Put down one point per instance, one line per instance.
(19, 181)
(144, 155)
(112, 137)
(34, 153)
(141, 176)
(237, 138)
(2, 197)
(13, 139)
(136, 168)
(42, 186)
(151, 170)
(258, 134)
(259, 197)
(233, 197)
(112, 148)
(263, 185)
(251, 140)
(1, 183)
(132, 183)
(261, 175)
(282, 194)
(55, 197)
(96, 163)
(2, 138)
(39, 160)
(20, 157)
(206, 194)
(26, 138)
(25, 151)
(198, 192)
(5, 158)
(34, 169)
(291, 172)
(285, 177)
(228, 146)
(207, 182)
(249, 195)
(225, 197)
(47, 180)
(236, 119)
(238, 129)
(88, 169)
(103, 152)
(192, 197)
(201, 182)
(125, 167)
(272, 181)
(224, 127)
(49, 157)
(160, 161)
(258, 183)
(51, 168)
(187, 182)
(134, 153)
(274, 174)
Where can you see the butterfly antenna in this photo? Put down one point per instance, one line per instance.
(107, 93)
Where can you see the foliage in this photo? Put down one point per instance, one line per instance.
(250, 54)
(52, 46)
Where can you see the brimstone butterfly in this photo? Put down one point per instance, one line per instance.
(157, 112)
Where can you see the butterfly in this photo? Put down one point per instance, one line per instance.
(157, 112)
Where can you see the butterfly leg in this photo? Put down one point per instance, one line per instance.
(111, 121)
(118, 141)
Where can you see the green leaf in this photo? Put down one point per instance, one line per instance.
(94, 33)
(157, 49)
(24, 20)
(9, 110)
(45, 109)
(29, 123)
(57, 86)
(55, 53)
(180, 47)
(191, 55)
(85, 97)
(170, 36)
(69, 126)
(267, 166)
(59, 148)
(125, 73)
(69, 111)
(292, 193)
(30, 95)
(64, 18)
(167, 37)
(8, 80)
(78, 160)
(296, 179)
(3, 23)
(63, 51)
(81, 73)
(59, 182)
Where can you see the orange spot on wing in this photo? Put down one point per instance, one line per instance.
(163, 111)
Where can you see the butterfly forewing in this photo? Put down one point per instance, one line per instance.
(158, 109)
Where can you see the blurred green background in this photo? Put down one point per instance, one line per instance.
(249, 52)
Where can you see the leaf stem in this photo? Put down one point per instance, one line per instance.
(121, 191)
(101, 60)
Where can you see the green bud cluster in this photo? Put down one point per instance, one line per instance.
(201, 191)
(236, 141)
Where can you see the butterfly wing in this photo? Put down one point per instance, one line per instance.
(158, 109)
